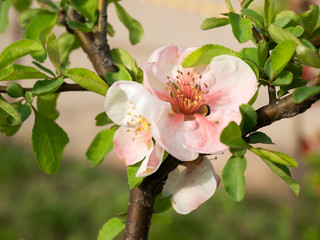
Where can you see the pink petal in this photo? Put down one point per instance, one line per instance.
(191, 186)
(203, 134)
(231, 83)
(132, 146)
(169, 133)
(152, 162)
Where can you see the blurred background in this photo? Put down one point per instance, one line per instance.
(78, 200)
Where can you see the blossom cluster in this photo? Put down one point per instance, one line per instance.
(182, 111)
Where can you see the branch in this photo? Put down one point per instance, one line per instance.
(142, 199)
(285, 108)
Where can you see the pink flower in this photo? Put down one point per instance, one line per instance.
(132, 106)
(191, 185)
(198, 103)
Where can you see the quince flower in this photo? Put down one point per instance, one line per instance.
(132, 106)
(198, 103)
(191, 185)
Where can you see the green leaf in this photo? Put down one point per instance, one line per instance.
(38, 29)
(131, 173)
(83, 27)
(295, 68)
(6, 128)
(101, 145)
(24, 112)
(43, 87)
(121, 56)
(122, 75)
(229, 5)
(279, 34)
(52, 6)
(296, 83)
(203, 55)
(102, 119)
(284, 173)
(9, 109)
(250, 54)
(263, 50)
(303, 93)
(238, 152)
(67, 42)
(231, 136)
(17, 72)
(254, 17)
(249, 118)
(274, 156)
(162, 204)
(21, 5)
(53, 52)
(111, 229)
(46, 105)
(214, 22)
(110, 30)
(135, 29)
(26, 16)
(15, 90)
(17, 50)
(281, 55)
(43, 68)
(284, 17)
(310, 18)
(48, 142)
(246, 3)
(233, 177)
(88, 79)
(259, 137)
(241, 27)
(297, 31)
(268, 11)
(283, 79)
(86, 7)
(308, 56)
(4, 10)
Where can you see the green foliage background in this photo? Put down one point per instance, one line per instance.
(78, 200)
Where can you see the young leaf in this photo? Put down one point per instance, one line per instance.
(87, 8)
(204, 54)
(47, 104)
(302, 93)
(16, 72)
(284, 173)
(246, 3)
(231, 136)
(15, 90)
(263, 50)
(122, 74)
(310, 18)
(83, 27)
(249, 118)
(284, 17)
(88, 79)
(102, 119)
(260, 137)
(268, 11)
(131, 173)
(29, 97)
(233, 177)
(43, 68)
(48, 142)
(241, 27)
(4, 10)
(279, 34)
(9, 109)
(101, 145)
(6, 128)
(274, 156)
(135, 29)
(283, 79)
(281, 55)
(43, 87)
(110, 30)
(67, 42)
(229, 5)
(17, 50)
(214, 22)
(254, 17)
(53, 52)
(111, 229)
(37, 30)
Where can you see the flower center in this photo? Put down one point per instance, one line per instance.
(188, 94)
